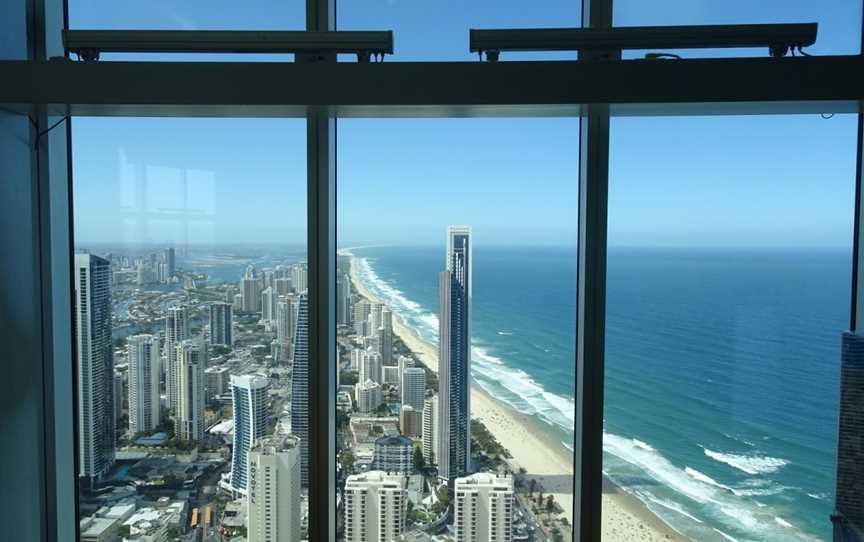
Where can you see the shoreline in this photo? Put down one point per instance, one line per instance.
(625, 517)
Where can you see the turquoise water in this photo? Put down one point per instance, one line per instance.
(721, 370)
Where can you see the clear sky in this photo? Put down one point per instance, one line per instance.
(695, 181)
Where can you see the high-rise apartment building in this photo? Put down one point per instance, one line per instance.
(413, 387)
(483, 508)
(251, 286)
(410, 421)
(268, 304)
(96, 431)
(170, 261)
(375, 310)
(343, 300)
(454, 335)
(385, 337)
(221, 324)
(375, 506)
(300, 384)
(361, 316)
(299, 278)
(249, 399)
(176, 331)
(191, 363)
(144, 371)
(849, 515)
(284, 320)
(274, 490)
(370, 367)
(431, 430)
(369, 396)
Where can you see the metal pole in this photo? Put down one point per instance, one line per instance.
(321, 251)
(591, 300)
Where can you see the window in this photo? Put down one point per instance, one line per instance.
(190, 241)
(466, 190)
(728, 286)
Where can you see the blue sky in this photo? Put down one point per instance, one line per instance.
(695, 181)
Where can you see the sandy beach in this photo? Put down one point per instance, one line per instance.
(625, 518)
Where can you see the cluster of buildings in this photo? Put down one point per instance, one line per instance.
(168, 378)
(435, 425)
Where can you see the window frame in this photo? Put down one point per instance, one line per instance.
(48, 90)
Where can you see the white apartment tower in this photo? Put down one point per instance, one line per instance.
(249, 401)
(371, 367)
(483, 508)
(191, 363)
(369, 396)
(274, 490)
(144, 370)
(431, 429)
(95, 365)
(176, 331)
(361, 316)
(375, 507)
(268, 304)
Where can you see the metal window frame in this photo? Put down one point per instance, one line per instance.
(592, 91)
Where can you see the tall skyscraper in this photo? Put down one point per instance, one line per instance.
(361, 316)
(300, 384)
(170, 261)
(849, 515)
(221, 324)
(385, 337)
(454, 335)
(274, 490)
(369, 396)
(249, 399)
(268, 304)
(251, 286)
(375, 310)
(176, 331)
(299, 277)
(343, 300)
(376, 504)
(191, 363)
(483, 508)
(95, 365)
(431, 430)
(144, 370)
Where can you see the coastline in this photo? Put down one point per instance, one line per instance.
(625, 517)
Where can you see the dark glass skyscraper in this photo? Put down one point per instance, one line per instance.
(454, 356)
(849, 517)
(300, 384)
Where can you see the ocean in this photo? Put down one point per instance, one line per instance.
(722, 370)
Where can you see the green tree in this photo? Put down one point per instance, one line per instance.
(550, 504)
(347, 378)
(419, 461)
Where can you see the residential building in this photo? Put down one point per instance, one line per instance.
(368, 395)
(431, 429)
(221, 324)
(144, 372)
(483, 508)
(95, 368)
(249, 401)
(454, 335)
(274, 490)
(375, 506)
(300, 384)
(394, 454)
(191, 363)
(176, 331)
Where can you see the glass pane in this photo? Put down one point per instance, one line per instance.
(839, 20)
(728, 288)
(439, 31)
(456, 311)
(187, 15)
(190, 311)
